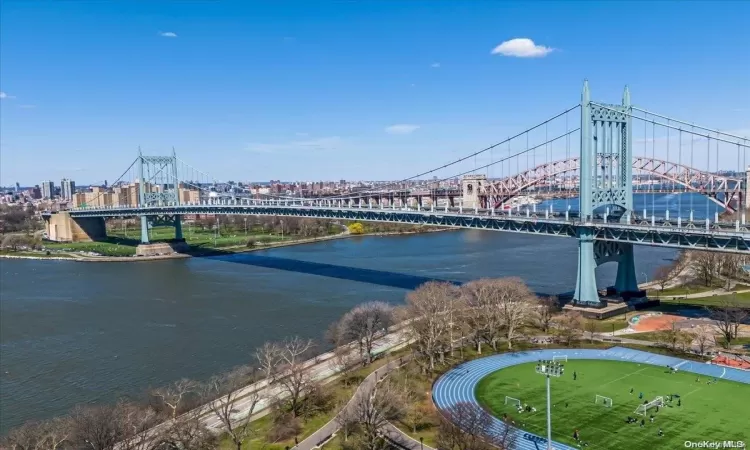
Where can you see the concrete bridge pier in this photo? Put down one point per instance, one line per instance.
(626, 284)
(61, 227)
(178, 228)
(144, 230)
(586, 292)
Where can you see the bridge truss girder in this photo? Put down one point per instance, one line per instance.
(682, 238)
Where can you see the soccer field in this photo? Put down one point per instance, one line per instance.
(718, 411)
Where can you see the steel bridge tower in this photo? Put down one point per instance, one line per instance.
(606, 176)
(158, 185)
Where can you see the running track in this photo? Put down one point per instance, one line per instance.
(458, 386)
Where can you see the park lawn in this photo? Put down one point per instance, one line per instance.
(604, 326)
(708, 412)
(110, 247)
(713, 300)
(689, 288)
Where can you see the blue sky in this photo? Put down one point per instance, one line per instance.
(341, 89)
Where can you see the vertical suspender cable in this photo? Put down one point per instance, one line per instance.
(708, 171)
(679, 172)
(653, 157)
(692, 164)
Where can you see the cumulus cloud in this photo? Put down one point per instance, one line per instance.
(168, 34)
(403, 128)
(435, 65)
(3, 95)
(521, 48)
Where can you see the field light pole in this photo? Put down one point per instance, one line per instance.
(549, 369)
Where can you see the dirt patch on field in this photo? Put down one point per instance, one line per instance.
(656, 323)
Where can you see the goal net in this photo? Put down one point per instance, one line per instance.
(512, 401)
(560, 358)
(643, 409)
(602, 400)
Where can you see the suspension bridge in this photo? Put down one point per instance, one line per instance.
(594, 185)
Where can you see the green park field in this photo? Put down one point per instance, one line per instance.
(717, 411)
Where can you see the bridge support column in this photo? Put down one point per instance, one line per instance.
(144, 230)
(626, 283)
(586, 292)
(178, 228)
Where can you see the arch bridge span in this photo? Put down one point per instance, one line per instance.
(727, 192)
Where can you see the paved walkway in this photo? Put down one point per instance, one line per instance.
(365, 388)
(323, 367)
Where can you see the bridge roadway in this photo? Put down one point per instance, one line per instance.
(704, 235)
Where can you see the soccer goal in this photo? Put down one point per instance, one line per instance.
(643, 409)
(512, 401)
(602, 400)
(560, 358)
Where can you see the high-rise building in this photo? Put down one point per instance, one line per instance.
(67, 189)
(48, 189)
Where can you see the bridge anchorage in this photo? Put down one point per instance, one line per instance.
(163, 189)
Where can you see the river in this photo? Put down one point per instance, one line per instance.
(73, 332)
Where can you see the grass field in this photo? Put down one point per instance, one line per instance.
(715, 412)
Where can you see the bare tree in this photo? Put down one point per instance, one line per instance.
(233, 408)
(703, 337)
(722, 317)
(662, 277)
(269, 358)
(429, 308)
(294, 380)
(590, 326)
(50, 434)
(514, 303)
(362, 324)
(730, 266)
(568, 327)
(187, 432)
(174, 394)
(545, 310)
(481, 311)
(97, 427)
(706, 265)
(371, 412)
(466, 426)
(136, 422)
(738, 314)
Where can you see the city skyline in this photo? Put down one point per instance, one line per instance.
(253, 91)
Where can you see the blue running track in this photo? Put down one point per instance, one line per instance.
(458, 384)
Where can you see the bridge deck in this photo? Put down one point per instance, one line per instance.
(708, 236)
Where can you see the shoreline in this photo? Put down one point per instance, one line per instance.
(218, 251)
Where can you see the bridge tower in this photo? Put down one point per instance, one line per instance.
(473, 187)
(606, 174)
(158, 185)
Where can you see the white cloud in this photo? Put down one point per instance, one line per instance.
(521, 48)
(27, 106)
(3, 95)
(403, 128)
(169, 34)
(435, 65)
(317, 144)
